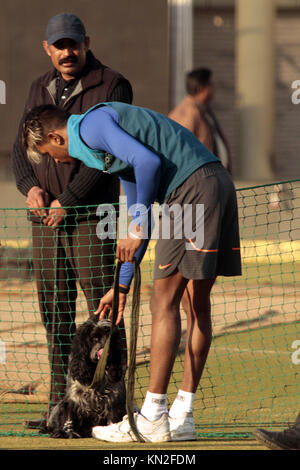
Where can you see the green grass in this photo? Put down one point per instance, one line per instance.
(249, 380)
(285, 274)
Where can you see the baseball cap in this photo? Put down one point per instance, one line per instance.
(65, 25)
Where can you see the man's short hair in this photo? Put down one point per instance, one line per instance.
(37, 125)
(195, 78)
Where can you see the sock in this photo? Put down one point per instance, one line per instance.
(154, 406)
(183, 403)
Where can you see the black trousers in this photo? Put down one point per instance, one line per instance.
(72, 256)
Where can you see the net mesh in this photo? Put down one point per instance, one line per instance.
(251, 378)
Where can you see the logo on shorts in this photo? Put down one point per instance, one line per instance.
(165, 266)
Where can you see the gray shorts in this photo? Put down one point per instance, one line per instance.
(209, 244)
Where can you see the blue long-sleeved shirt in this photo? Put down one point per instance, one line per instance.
(140, 194)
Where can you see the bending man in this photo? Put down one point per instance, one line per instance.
(156, 159)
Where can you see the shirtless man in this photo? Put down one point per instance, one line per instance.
(194, 113)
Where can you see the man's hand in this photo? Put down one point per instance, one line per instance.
(37, 197)
(105, 306)
(55, 215)
(126, 248)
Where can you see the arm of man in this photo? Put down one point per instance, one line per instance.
(138, 248)
(22, 169)
(100, 131)
(23, 172)
(203, 132)
(141, 193)
(26, 181)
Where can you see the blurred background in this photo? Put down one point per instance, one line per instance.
(252, 47)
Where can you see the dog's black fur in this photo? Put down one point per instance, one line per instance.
(84, 407)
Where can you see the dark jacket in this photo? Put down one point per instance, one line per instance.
(72, 184)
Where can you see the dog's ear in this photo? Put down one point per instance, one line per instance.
(83, 333)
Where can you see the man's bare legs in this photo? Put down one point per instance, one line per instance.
(166, 330)
(196, 304)
(154, 422)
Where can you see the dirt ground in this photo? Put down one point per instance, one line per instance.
(44, 443)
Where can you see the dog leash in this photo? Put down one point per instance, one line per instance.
(54, 306)
(100, 369)
(134, 326)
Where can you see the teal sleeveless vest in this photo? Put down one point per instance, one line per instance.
(180, 151)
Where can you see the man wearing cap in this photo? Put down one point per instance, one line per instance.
(66, 248)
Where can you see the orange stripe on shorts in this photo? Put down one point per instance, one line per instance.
(201, 249)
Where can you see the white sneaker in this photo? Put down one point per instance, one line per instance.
(150, 431)
(183, 428)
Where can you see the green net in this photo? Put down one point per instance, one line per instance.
(251, 378)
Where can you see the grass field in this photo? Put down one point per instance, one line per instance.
(46, 443)
(250, 375)
(247, 383)
(251, 378)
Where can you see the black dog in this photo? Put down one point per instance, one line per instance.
(84, 407)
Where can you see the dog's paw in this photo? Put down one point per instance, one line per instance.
(65, 435)
(73, 435)
(58, 435)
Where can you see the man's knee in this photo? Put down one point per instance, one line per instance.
(196, 296)
(166, 296)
